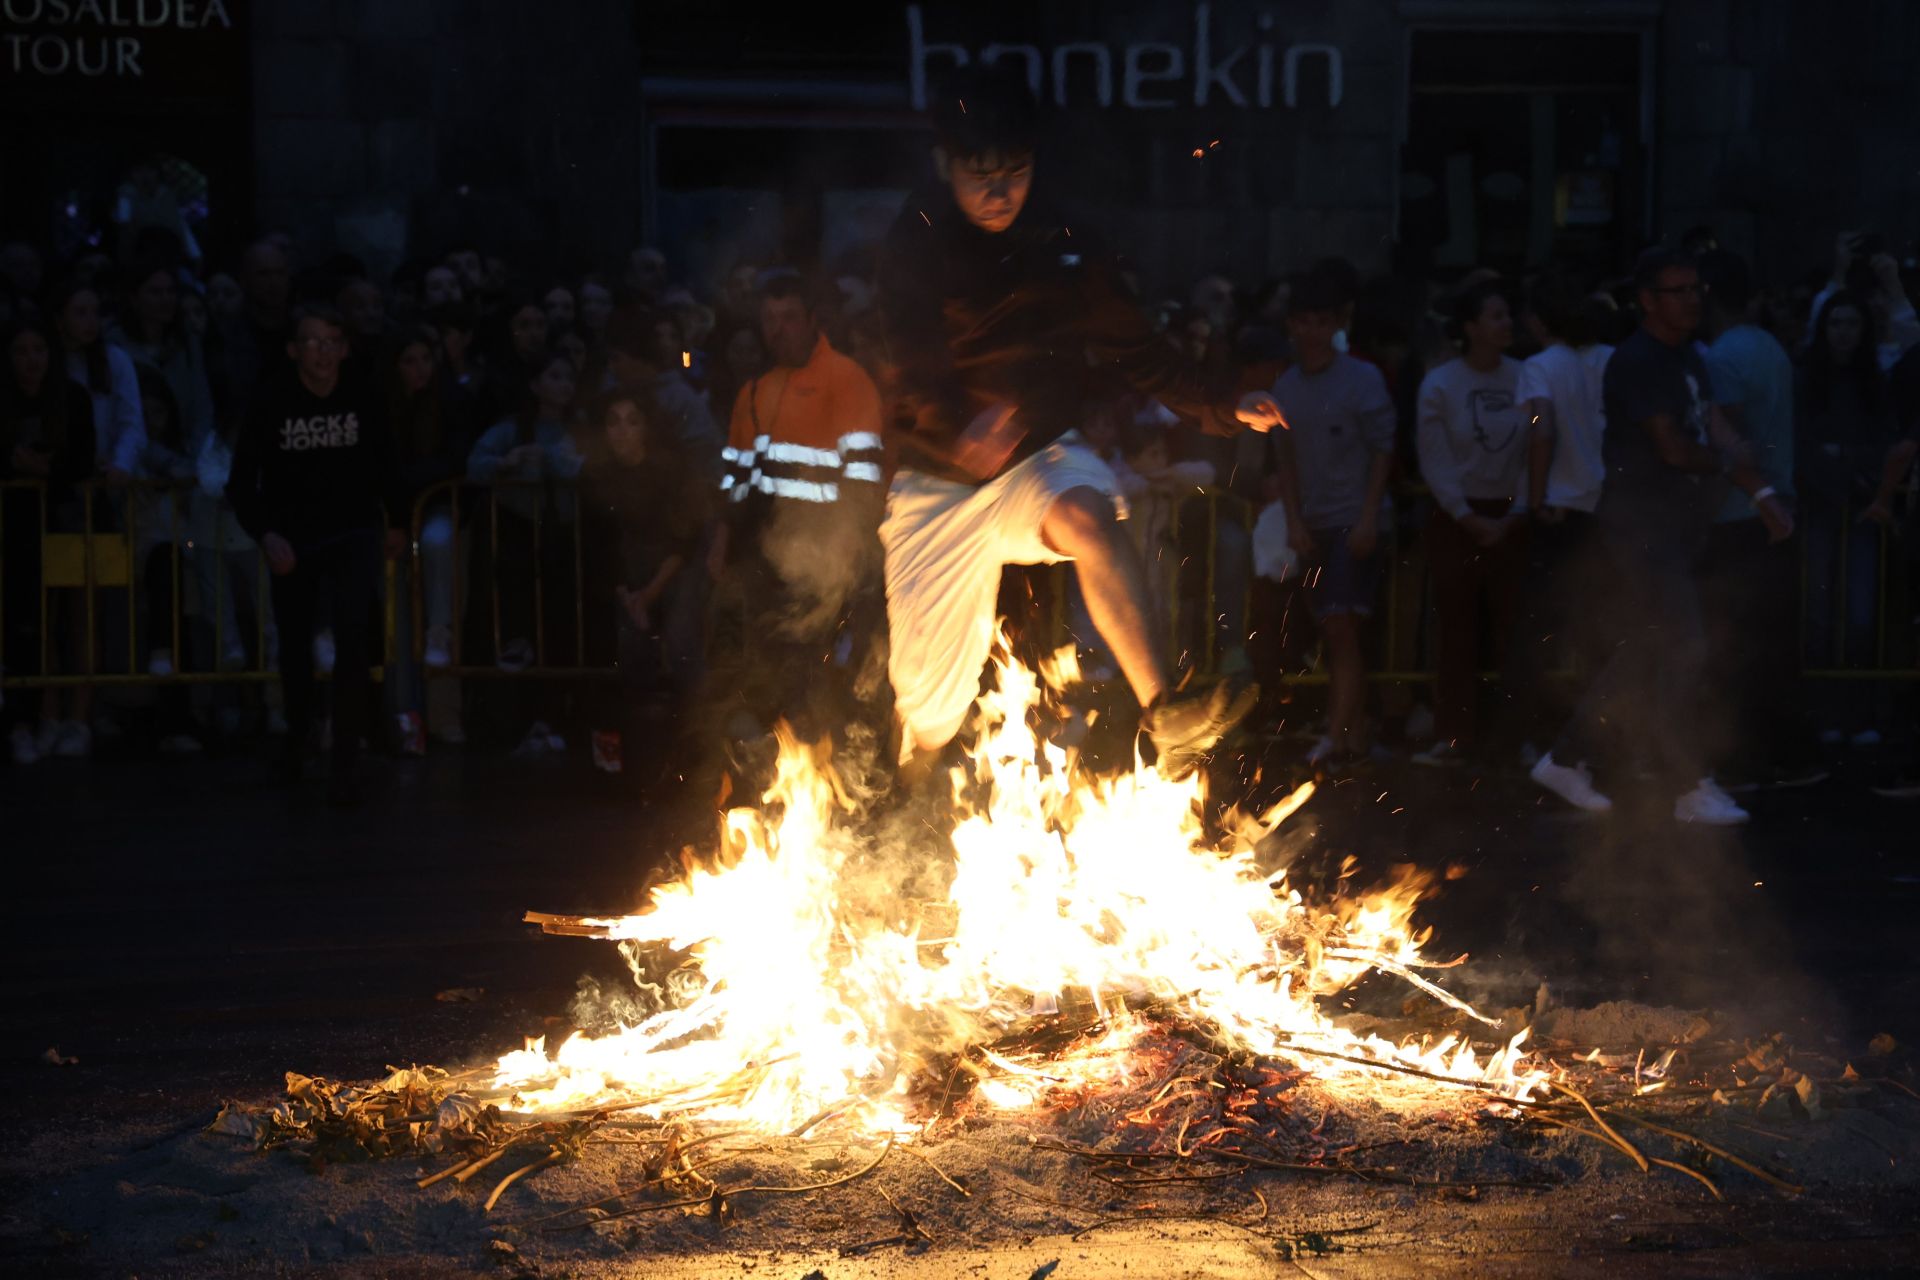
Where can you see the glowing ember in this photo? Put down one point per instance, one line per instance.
(793, 1009)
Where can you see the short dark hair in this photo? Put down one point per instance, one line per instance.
(1729, 282)
(1314, 292)
(1654, 262)
(789, 282)
(315, 311)
(985, 110)
(1469, 302)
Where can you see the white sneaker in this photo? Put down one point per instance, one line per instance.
(1708, 804)
(1865, 738)
(233, 657)
(1321, 751)
(74, 741)
(1441, 755)
(1571, 783)
(535, 743)
(25, 749)
(160, 663)
(439, 647)
(1419, 726)
(323, 652)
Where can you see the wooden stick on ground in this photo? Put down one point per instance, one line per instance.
(1633, 1152)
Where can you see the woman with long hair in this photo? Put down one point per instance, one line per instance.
(107, 373)
(1846, 424)
(643, 521)
(46, 439)
(152, 328)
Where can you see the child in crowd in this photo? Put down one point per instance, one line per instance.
(1331, 468)
(644, 521)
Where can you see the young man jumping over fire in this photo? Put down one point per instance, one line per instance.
(999, 317)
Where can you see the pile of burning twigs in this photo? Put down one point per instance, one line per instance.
(1186, 1114)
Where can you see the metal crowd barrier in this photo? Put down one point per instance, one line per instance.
(100, 556)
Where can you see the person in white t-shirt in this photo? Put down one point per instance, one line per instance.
(1472, 438)
(1560, 392)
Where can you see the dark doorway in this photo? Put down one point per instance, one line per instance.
(1522, 147)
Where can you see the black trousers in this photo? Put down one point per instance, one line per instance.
(1750, 594)
(1648, 695)
(340, 577)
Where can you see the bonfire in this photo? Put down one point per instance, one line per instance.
(794, 1009)
(1110, 948)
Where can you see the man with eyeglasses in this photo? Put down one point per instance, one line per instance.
(1668, 451)
(312, 469)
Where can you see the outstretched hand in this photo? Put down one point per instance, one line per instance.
(1260, 411)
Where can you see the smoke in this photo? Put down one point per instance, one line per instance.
(823, 553)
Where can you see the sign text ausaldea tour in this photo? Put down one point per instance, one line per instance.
(93, 38)
(1150, 74)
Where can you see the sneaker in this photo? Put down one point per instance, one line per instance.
(537, 742)
(179, 744)
(1441, 755)
(26, 750)
(1709, 805)
(1904, 786)
(410, 734)
(74, 741)
(323, 652)
(1419, 726)
(439, 647)
(233, 657)
(160, 663)
(1571, 783)
(1186, 726)
(276, 722)
(1865, 738)
(515, 655)
(1529, 755)
(1321, 752)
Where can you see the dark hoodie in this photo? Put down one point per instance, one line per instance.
(312, 468)
(1037, 315)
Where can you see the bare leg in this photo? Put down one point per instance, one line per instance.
(1081, 524)
(1346, 682)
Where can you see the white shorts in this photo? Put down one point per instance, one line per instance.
(946, 544)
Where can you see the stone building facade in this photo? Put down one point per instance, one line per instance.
(1244, 135)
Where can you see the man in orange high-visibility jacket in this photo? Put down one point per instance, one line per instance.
(797, 555)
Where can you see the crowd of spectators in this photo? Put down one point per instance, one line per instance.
(550, 464)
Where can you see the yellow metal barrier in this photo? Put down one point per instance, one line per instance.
(100, 558)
